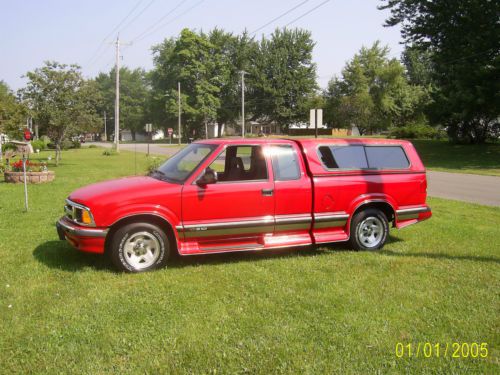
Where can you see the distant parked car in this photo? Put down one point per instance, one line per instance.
(228, 195)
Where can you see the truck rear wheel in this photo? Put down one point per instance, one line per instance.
(139, 247)
(369, 230)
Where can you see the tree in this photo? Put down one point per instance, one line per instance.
(235, 54)
(462, 42)
(190, 60)
(12, 112)
(134, 94)
(418, 65)
(282, 77)
(62, 102)
(373, 93)
(280, 82)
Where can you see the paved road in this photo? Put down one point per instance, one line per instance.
(460, 186)
(465, 187)
(159, 149)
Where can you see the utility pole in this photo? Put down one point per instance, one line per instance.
(242, 72)
(105, 131)
(117, 92)
(179, 104)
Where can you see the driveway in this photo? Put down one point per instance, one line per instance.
(459, 186)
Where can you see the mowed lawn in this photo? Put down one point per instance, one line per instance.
(448, 157)
(288, 311)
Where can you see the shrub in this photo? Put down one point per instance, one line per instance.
(3, 167)
(92, 146)
(9, 146)
(66, 144)
(153, 163)
(76, 144)
(109, 152)
(39, 144)
(416, 131)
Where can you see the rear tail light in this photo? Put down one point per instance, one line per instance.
(423, 186)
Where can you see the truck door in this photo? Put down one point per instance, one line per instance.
(293, 195)
(237, 211)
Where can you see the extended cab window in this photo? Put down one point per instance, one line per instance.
(240, 163)
(345, 157)
(285, 163)
(386, 157)
(363, 157)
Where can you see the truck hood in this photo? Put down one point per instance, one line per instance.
(110, 199)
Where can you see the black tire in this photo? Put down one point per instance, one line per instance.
(367, 226)
(139, 247)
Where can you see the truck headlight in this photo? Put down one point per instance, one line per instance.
(79, 213)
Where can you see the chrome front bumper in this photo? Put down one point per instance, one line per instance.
(64, 226)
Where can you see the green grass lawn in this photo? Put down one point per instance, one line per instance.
(448, 157)
(288, 311)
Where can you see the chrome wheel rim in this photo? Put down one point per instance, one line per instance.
(370, 232)
(141, 250)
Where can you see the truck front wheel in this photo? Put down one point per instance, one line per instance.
(369, 230)
(139, 247)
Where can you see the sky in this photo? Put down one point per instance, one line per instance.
(82, 32)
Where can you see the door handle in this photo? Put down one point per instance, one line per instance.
(267, 192)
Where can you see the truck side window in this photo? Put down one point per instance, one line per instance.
(345, 157)
(386, 157)
(240, 163)
(285, 163)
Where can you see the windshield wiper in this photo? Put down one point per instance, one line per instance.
(161, 176)
(157, 171)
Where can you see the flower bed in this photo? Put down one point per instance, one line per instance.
(36, 173)
(31, 177)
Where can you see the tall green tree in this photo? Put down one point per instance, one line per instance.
(234, 53)
(373, 93)
(282, 77)
(62, 101)
(462, 39)
(134, 94)
(12, 112)
(190, 60)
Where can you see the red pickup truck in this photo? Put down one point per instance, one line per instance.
(228, 195)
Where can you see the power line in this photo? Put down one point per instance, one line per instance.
(139, 38)
(280, 16)
(160, 19)
(306, 13)
(93, 59)
(138, 15)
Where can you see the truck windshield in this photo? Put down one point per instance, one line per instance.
(180, 166)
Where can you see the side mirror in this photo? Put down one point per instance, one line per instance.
(208, 177)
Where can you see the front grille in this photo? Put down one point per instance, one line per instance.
(68, 210)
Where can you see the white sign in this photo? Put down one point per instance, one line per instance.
(316, 115)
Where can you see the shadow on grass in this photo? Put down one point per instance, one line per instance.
(441, 256)
(60, 255)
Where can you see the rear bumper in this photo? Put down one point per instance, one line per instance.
(82, 238)
(412, 215)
